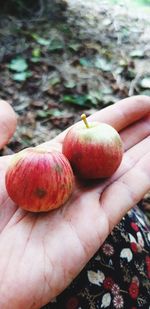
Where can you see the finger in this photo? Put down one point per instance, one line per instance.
(130, 136)
(130, 158)
(7, 207)
(126, 191)
(120, 114)
(125, 112)
(136, 132)
(8, 122)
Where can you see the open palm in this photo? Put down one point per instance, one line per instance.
(42, 253)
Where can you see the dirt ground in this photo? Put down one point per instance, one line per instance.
(53, 70)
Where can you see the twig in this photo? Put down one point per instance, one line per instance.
(133, 84)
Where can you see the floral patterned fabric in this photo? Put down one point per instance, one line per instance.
(118, 276)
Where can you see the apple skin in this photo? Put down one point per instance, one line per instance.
(94, 152)
(39, 180)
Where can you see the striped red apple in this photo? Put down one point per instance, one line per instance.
(39, 180)
(94, 149)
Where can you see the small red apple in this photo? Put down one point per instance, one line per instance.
(39, 180)
(94, 149)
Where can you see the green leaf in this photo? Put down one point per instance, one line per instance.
(35, 59)
(21, 76)
(50, 112)
(56, 44)
(86, 62)
(36, 52)
(70, 84)
(101, 63)
(94, 97)
(55, 112)
(54, 80)
(76, 99)
(41, 113)
(74, 46)
(65, 28)
(18, 64)
(41, 41)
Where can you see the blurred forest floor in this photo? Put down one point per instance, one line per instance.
(53, 69)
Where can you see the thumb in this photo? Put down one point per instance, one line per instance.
(8, 122)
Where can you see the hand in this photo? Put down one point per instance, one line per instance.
(42, 253)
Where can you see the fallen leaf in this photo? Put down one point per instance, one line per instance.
(74, 99)
(27, 133)
(49, 112)
(41, 114)
(80, 100)
(19, 64)
(74, 46)
(21, 106)
(55, 112)
(106, 90)
(22, 76)
(86, 62)
(107, 22)
(145, 83)
(40, 40)
(36, 52)
(94, 97)
(70, 84)
(35, 59)
(56, 44)
(54, 80)
(37, 103)
(137, 53)
(101, 63)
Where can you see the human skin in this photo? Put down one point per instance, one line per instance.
(42, 253)
(8, 122)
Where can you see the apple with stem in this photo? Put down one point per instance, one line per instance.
(39, 180)
(94, 149)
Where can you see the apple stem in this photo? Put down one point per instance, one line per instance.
(83, 117)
